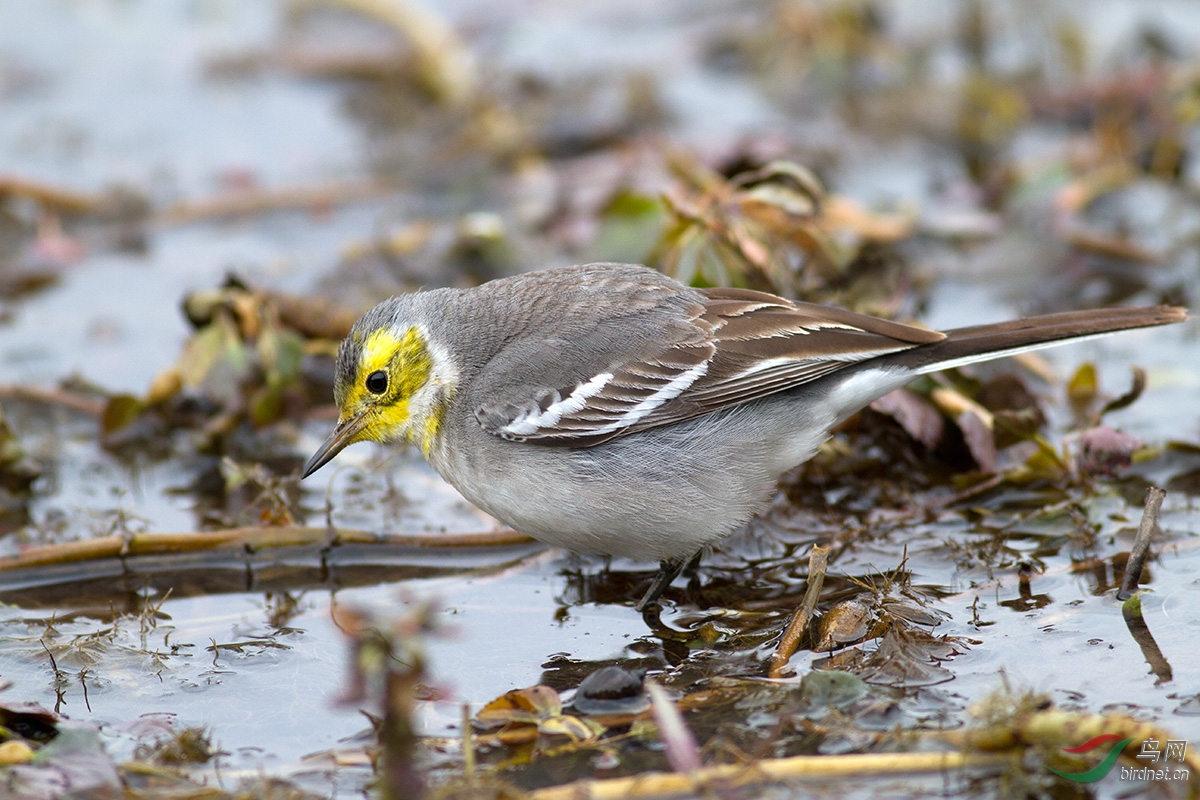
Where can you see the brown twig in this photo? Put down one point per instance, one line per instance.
(141, 544)
(817, 561)
(47, 195)
(1141, 544)
(657, 784)
(58, 397)
(1118, 247)
(993, 746)
(259, 201)
(985, 485)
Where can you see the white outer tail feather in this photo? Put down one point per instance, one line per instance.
(992, 355)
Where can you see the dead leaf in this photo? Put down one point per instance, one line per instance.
(979, 438)
(574, 728)
(844, 214)
(523, 706)
(783, 185)
(846, 623)
(908, 658)
(1127, 399)
(164, 386)
(919, 418)
(120, 411)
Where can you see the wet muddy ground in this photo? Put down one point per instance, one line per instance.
(195, 197)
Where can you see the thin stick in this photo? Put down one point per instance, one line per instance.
(468, 745)
(58, 397)
(817, 561)
(261, 201)
(59, 198)
(658, 784)
(1141, 544)
(140, 544)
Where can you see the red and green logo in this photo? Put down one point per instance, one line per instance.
(1104, 767)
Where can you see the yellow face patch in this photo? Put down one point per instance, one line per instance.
(408, 364)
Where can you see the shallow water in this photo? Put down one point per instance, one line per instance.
(97, 94)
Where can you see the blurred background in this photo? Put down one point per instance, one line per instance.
(198, 196)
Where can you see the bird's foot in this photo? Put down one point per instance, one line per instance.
(668, 571)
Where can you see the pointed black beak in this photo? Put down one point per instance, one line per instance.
(344, 434)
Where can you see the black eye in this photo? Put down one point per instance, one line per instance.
(377, 382)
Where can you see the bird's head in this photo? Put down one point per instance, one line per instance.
(390, 383)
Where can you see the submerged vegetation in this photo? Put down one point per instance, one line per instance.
(954, 597)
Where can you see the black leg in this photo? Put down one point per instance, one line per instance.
(667, 572)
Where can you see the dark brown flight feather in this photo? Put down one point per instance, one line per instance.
(980, 342)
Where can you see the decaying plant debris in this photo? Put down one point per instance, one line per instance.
(981, 516)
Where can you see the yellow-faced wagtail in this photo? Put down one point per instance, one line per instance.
(609, 409)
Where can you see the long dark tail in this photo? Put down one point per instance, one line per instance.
(984, 342)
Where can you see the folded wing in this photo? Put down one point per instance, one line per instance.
(745, 345)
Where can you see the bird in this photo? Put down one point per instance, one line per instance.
(609, 409)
